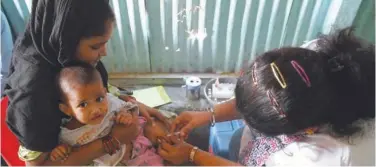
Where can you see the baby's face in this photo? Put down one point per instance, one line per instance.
(88, 103)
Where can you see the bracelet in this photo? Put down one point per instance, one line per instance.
(105, 146)
(110, 148)
(117, 147)
(113, 146)
(192, 154)
(212, 119)
(108, 145)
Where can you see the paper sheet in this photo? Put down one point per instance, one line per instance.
(152, 97)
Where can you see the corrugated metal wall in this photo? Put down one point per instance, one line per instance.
(230, 33)
(129, 47)
(215, 35)
(365, 20)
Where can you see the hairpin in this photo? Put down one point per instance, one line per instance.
(254, 77)
(241, 73)
(278, 75)
(275, 104)
(301, 72)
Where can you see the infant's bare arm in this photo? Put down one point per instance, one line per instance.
(155, 130)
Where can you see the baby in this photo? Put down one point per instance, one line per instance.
(93, 112)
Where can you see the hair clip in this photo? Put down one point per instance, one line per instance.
(241, 73)
(310, 131)
(275, 104)
(254, 77)
(301, 72)
(278, 75)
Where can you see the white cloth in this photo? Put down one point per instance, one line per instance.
(311, 45)
(322, 149)
(100, 130)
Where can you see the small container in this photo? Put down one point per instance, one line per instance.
(192, 88)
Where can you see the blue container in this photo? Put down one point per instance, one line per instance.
(220, 136)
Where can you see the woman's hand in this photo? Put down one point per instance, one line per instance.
(177, 152)
(147, 111)
(189, 120)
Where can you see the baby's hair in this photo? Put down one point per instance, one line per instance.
(287, 90)
(76, 73)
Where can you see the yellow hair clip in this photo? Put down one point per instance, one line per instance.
(278, 75)
(310, 131)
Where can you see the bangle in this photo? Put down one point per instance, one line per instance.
(109, 149)
(112, 146)
(105, 146)
(212, 119)
(118, 142)
(115, 143)
(192, 154)
(108, 146)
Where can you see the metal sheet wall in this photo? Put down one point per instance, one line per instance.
(224, 35)
(365, 20)
(212, 35)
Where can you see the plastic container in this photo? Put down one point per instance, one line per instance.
(208, 92)
(192, 88)
(220, 136)
(223, 90)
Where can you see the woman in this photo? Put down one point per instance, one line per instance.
(301, 106)
(58, 33)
